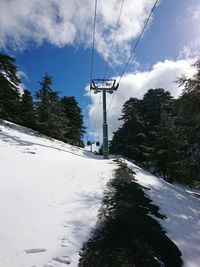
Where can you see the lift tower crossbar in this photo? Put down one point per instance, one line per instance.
(104, 86)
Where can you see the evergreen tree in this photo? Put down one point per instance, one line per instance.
(9, 89)
(169, 150)
(189, 119)
(27, 115)
(51, 119)
(150, 137)
(153, 103)
(74, 116)
(130, 139)
(191, 92)
(189, 127)
(137, 136)
(44, 95)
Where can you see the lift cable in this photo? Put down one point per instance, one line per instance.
(138, 40)
(109, 56)
(92, 54)
(134, 48)
(113, 40)
(93, 40)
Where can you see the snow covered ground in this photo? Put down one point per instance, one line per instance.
(182, 208)
(50, 193)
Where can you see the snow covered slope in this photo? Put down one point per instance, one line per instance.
(182, 208)
(50, 193)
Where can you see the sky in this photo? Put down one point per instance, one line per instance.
(55, 37)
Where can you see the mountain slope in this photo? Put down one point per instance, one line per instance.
(50, 194)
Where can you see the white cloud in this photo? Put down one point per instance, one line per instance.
(192, 21)
(66, 22)
(191, 50)
(161, 75)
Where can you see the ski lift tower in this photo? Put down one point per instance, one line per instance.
(104, 86)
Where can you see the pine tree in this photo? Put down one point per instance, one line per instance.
(189, 119)
(43, 96)
(130, 139)
(74, 116)
(169, 150)
(9, 89)
(147, 133)
(27, 115)
(51, 119)
(191, 92)
(153, 103)
(162, 133)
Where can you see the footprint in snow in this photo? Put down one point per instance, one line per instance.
(62, 259)
(65, 242)
(29, 152)
(64, 246)
(35, 250)
(65, 225)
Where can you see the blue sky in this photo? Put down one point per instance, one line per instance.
(40, 46)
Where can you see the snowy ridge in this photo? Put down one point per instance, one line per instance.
(50, 194)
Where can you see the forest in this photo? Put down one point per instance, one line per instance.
(46, 112)
(162, 134)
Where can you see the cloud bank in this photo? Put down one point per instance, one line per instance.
(66, 22)
(161, 75)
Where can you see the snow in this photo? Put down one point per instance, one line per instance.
(182, 208)
(50, 193)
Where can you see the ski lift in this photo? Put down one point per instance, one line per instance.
(88, 143)
(97, 142)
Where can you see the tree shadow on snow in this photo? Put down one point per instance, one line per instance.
(127, 233)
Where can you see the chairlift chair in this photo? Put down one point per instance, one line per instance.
(97, 143)
(88, 143)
